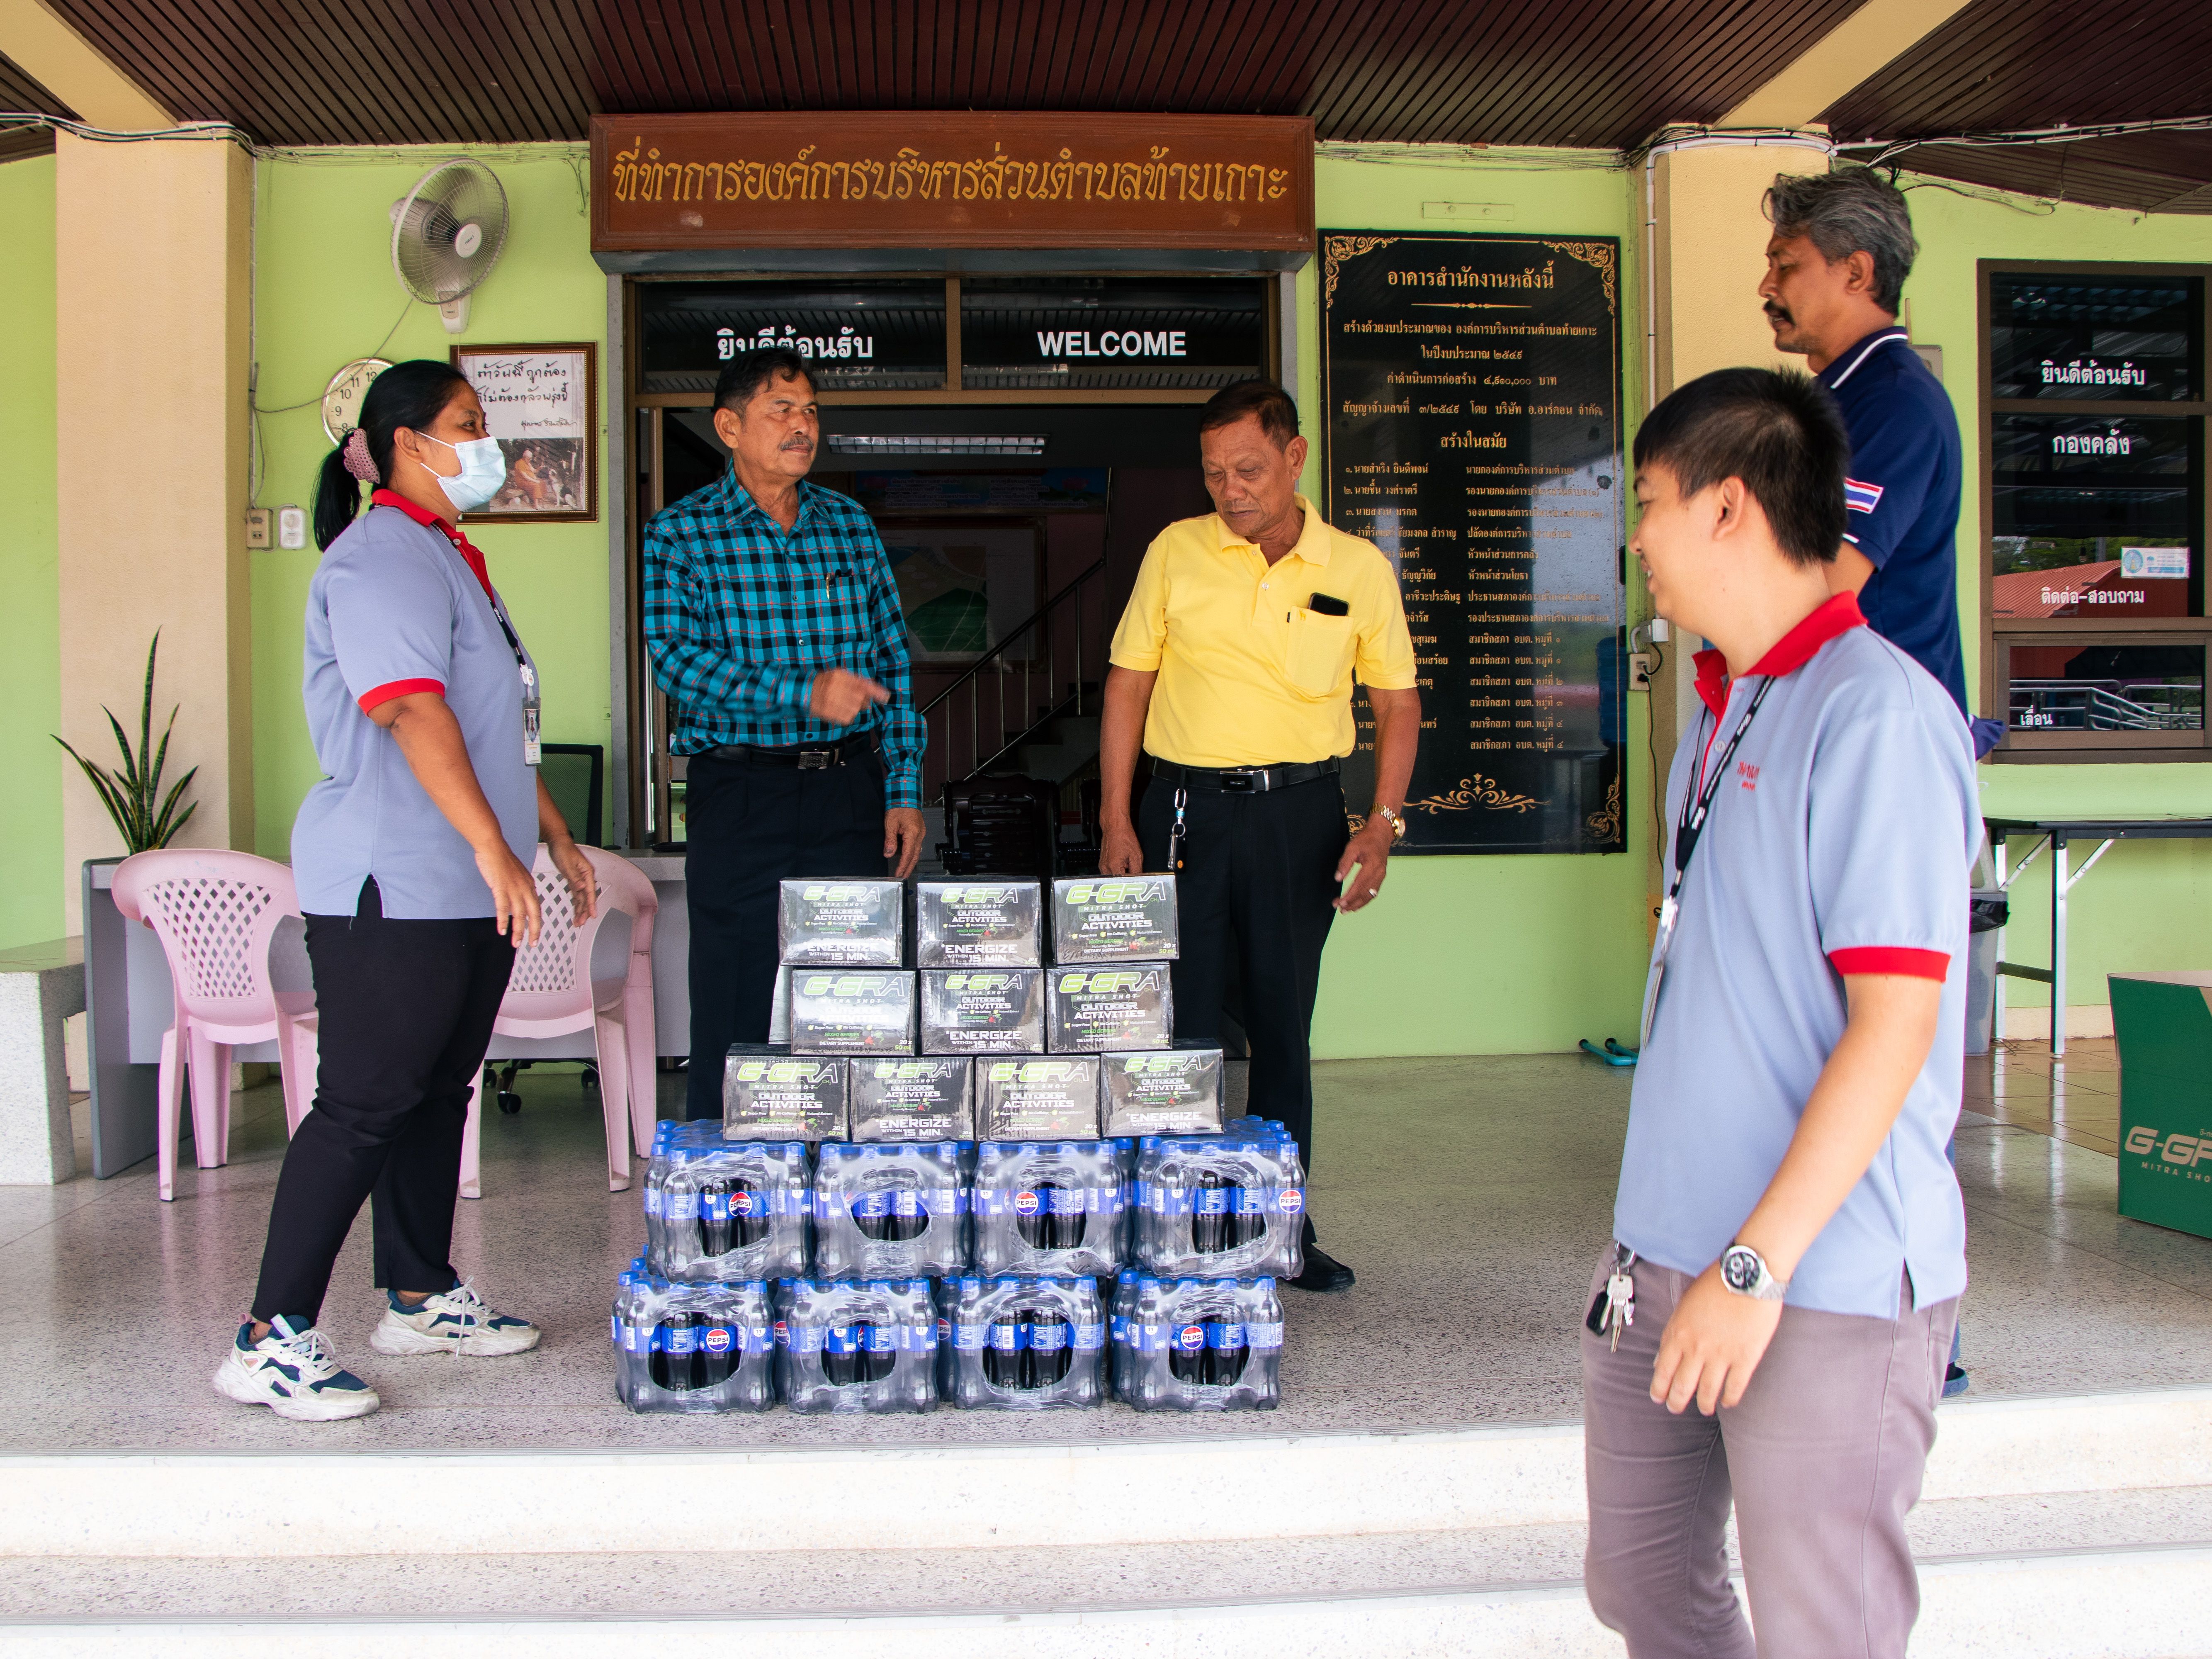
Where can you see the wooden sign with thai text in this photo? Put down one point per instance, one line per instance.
(889, 179)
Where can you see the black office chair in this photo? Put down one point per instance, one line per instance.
(576, 776)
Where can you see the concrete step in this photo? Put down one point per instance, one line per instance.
(1287, 1600)
(938, 1497)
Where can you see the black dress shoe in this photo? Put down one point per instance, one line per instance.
(1324, 1272)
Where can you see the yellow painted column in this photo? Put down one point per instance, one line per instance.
(1705, 235)
(153, 280)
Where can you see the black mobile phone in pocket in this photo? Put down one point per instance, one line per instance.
(1321, 604)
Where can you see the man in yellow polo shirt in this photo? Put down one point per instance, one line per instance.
(1233, 666)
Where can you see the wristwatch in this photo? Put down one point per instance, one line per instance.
(1397, 822)
(1745, 1272)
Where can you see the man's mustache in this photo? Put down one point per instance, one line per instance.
(1779, 313)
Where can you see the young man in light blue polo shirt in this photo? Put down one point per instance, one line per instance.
(1789, 1243)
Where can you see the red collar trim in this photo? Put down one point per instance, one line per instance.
(470, 557)
(1837, 615)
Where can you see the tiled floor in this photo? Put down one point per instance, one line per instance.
(1472, 1196)
(2074, 1099)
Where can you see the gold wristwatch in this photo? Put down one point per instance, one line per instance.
(1397, 822)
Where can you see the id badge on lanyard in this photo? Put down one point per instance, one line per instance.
(533, 749)
(1689, 829)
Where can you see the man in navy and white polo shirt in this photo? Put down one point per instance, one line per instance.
(1790, 1239)
(1842, 248)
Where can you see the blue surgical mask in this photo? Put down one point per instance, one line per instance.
(483, 469)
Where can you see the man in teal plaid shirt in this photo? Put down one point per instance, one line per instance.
(774, 628)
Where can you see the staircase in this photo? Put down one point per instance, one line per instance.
(2052, 1526)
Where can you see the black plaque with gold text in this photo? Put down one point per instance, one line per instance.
(1473, 390)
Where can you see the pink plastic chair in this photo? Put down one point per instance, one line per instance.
(215, 912)
(552, 992)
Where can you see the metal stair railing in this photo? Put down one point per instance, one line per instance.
(1044, 663)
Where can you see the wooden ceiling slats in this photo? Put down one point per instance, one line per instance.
(1590, 73)
(20, 90)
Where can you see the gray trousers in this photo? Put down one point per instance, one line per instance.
(1822, 1459)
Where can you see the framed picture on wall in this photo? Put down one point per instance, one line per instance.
(541, 402)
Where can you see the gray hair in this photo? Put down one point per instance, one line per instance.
(1851, 211)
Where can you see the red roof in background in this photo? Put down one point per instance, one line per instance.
(2061, 593)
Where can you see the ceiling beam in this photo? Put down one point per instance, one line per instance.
(1878, 32)
(59, 59)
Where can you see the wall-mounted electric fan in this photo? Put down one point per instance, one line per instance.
(446, 234)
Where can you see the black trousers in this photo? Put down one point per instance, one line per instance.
(751, 826)
(404, 1010)
(1258, 876)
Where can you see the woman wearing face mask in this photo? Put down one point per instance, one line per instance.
(412, 858)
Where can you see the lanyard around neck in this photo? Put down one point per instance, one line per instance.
(1697, 804)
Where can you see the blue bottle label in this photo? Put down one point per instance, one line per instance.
(1089, 1339)
(1263, 1338)
(652, 1203)
(1222, 1334)
(1007, 1339)
(1066, 1200)
(1291, 1200)
(970, 1338)
(1213, 1200)
(881, 1339)
(1048, 1337)
(1251, 1201)
(721, 1339)
(683, 1206)
(682, 1338)
(1190, 1338)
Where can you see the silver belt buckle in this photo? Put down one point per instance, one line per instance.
(1245, 781)
(817, 760)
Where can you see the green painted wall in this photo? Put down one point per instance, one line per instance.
(30, 623)
(2149, 904)
(324, 294)
(1493, 955)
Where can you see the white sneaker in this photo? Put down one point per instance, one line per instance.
(458, 1320)
(292, 1373)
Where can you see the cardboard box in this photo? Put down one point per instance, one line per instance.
(1173, 1091)
(982, 1011)
(2163, 1022)
(852, 1010)
(768, 1093)
(1092, 1010)
(911, 1099)
(978, 924)
(1113, 919)
(843, 924)
(1038, 1097)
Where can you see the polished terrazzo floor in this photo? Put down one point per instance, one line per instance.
(1472, 1194)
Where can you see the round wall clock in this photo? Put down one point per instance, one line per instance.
(342, 397)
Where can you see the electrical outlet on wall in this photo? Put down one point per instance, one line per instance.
(257, 526)
(1639, 671)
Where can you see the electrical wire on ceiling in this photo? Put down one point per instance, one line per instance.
(1510, 158)
(1887, 147)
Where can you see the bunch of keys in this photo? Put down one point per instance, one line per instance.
(1614, 1309)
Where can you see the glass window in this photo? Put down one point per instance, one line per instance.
(2074, 687)
(1034, 334)
(2095, 518)
(2069, 335)
(878, 335)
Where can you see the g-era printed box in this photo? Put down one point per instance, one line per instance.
(1113, 919)
(841, 924)
(768, 1093)
(982, 1011)
(1094, 1010)
(978, 924)
(1174, 1091)
(1038, 1097)
(852, 1010)
(912, 1099)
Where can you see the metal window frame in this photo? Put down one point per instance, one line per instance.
(2000, 635)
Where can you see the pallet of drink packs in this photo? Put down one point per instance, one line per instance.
(978, 924)
(1038, 1097)
(1021, 1344)
(1094, 1009)
(911, 1097)
(982, 1011)
(1113, 919)
(852, 1010)
(1197, 1345)
(1170, 1091)
(841, 924)
(768, 1093)
(856, 1344)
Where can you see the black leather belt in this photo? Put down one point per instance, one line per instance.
(1244, 779)
(806, 756)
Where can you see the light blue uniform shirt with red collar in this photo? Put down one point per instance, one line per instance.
(402, 602)
(1839, 842)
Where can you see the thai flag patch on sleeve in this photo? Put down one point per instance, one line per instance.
(1860, 497)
